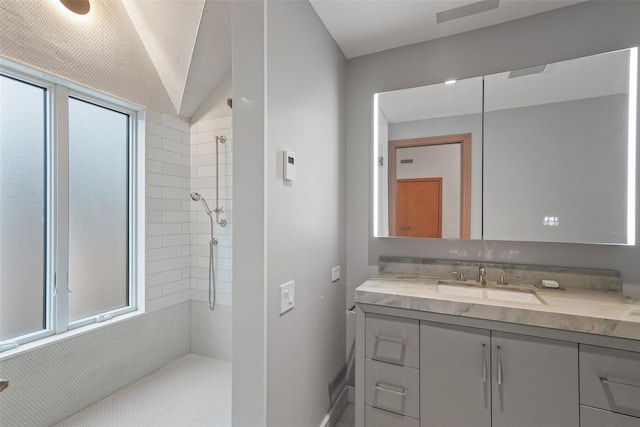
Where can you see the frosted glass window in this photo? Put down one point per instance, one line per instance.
(22, 208)
(98, 209)
(68, 209)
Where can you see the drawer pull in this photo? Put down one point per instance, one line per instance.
(393, 340)
(381, 387)
(622, 397)
(606, 381)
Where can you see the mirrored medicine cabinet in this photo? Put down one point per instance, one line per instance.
(543, 154)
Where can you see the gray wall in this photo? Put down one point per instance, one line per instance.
(579, 30)
(249, 394)
(287, 231)
(305, 218)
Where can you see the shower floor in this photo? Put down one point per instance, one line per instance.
(192, 391)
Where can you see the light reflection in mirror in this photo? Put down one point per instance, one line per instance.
(631, 156)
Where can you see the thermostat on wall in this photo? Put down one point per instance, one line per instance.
(289, 165)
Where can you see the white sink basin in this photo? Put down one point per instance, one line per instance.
(497, 294)
(529, 297)
(460, 290)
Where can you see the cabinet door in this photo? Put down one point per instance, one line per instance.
(593, 417)
(454, 376)
(534, 382)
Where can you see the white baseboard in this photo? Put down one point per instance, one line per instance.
(336, 410)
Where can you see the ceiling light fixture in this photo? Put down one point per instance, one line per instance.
(79, 7)
(450, 82)
(466, 10)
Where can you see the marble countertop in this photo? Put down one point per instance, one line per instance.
(597, 312)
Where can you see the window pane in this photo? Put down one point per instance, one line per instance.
(22, 208)
(98, 209)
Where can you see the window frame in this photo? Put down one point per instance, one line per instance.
(56, 248)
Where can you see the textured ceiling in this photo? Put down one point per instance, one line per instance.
(167, 55)
(170, 55)
(211, 58)
(189, 41)
(168, 31)
(101, 50)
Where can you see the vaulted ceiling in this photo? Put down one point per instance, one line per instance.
(189, 43)
(168, 55)
(171, 54)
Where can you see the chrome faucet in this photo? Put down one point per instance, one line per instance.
(482, 274)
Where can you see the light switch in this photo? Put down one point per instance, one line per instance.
(287, 296)
(335, 274)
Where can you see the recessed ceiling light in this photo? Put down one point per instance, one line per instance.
(466, 10)
(79, 7)
(450, 82)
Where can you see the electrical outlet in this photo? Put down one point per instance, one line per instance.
(287, 296)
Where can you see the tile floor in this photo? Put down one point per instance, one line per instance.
(348, 418)
(192, 391)
(199, 383)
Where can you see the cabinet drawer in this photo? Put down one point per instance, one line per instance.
(592, 417)
(378, 418)
(393, 388)
(393, 340)
(610, 379)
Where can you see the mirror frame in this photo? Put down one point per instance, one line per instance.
(465, 175)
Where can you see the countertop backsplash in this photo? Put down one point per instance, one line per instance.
(588, 279)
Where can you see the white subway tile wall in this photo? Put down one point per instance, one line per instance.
(203, 181)
(168, 183)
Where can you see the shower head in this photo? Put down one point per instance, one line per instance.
(197, 197)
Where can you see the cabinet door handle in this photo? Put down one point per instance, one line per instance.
(381, 387)
(606, 380)
(484, 363)
(393, 340)
(499, 367)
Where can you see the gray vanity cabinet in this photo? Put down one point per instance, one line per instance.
(455, 382)
(534, 381)
(392, 386)
(474, 377)
(609, 387)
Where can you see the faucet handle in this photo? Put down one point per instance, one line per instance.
(458, 276)
(503, 279)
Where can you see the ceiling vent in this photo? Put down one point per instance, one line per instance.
(466, 10)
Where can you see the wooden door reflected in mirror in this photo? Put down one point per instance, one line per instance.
(422, 204)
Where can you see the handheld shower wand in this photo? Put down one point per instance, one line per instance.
(197, 197)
